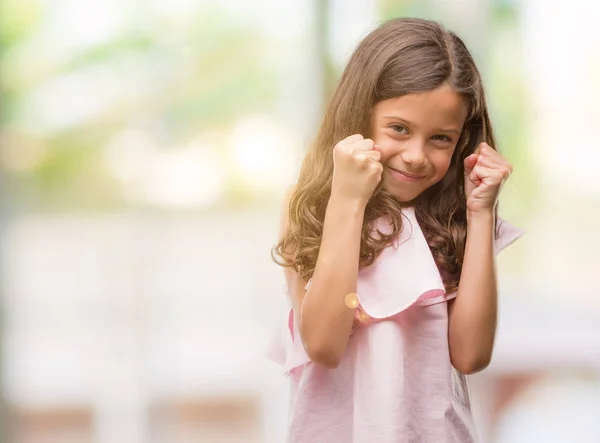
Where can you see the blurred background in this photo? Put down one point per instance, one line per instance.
(144, 150)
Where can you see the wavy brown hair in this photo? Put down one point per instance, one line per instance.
(402, 56)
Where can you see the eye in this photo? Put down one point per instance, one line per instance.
(442, 138)
(399, 129)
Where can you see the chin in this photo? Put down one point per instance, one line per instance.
(403, 197)
(406, 198)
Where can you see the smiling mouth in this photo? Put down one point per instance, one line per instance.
(406, 174)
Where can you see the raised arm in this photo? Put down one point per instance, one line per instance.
(473, 313)
(324, 320)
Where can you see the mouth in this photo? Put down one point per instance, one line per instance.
(405, 176)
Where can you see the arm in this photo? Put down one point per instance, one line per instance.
(324, 320)
(473, 313)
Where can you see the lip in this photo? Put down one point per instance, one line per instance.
(405, 176)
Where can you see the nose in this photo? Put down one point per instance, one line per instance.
(413, 153)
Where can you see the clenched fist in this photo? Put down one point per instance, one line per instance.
(485, 173)
(357, 169)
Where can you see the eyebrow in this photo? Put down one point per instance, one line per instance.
(448, 130)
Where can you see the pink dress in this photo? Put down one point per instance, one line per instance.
(395, 382)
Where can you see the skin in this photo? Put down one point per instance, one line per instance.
(413, 139)
(416, 135)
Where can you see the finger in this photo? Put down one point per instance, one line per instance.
(475, 180)
(368, 156)
(484, 187)
(492, 158)
(470, 163)
(353, 138)
(504, 168)
(377, 167)
(479, 173)
(476, 193)
(375, 155)
(472, 159)
(495, 162)
(363, 145)
(485, 148)
(479, 147)
(486, 175)
(488, 152)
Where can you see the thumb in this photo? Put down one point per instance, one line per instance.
(470, 163)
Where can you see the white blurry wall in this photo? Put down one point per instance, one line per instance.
(120, 313)
(123, 313)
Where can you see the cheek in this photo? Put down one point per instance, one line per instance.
(441, 162)
(385, 149)
(387, 146)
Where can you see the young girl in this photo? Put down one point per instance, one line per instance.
(388, 245)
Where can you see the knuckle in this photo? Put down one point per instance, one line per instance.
(376, 168)
(347, 150)
(489, 152)
(353, 138)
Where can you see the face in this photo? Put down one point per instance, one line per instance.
(417, 135)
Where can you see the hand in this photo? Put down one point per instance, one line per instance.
(485, 173)
(356, 168)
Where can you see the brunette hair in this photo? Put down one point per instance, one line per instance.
(402, 56)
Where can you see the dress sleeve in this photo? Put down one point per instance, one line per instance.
(285, 347)
(407, 274)
(507, 235)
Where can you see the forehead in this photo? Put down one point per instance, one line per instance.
(441, 107)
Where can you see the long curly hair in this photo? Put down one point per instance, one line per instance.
(402, 56)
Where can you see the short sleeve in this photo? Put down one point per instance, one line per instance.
(285, 347)
(403, 274)
(507, 234)
(407, 274)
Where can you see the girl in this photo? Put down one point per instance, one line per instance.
(388, 244)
